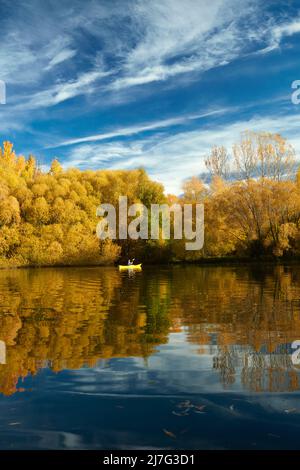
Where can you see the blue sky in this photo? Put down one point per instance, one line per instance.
(139, 83)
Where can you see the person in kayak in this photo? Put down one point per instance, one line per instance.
(130, 262)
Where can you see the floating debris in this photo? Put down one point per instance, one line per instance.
(180, 414)
(169, 433)
(199, 407)
(185, 404)
(291, 410)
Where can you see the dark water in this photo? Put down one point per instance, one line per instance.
(182, 357)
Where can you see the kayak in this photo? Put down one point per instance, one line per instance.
(137, 267)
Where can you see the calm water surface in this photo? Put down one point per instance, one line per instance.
(181, 357)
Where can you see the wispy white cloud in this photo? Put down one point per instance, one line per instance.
(62, 56)
(137, 129)
(176, 38)
(156, 41)
(170, 159)
(63, 91)
(38, 41)
(26, 56)
(51, 53)
(277, 32)
(286, 29)
(97, 155)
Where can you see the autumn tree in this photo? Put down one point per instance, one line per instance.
(263, 155)
(193, 190)
(217, 163)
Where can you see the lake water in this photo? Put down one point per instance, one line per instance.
(167, 358)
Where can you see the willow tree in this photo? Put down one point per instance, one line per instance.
(263, 155)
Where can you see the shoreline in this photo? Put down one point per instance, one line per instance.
(228, 261)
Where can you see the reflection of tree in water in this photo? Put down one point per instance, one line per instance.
(272, 372)
(248, 314)
(259, 372)
(69, 318)
(225, 362)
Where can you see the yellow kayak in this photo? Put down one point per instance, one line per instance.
(137, 267)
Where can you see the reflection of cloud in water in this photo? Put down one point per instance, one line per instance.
(168, 370)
